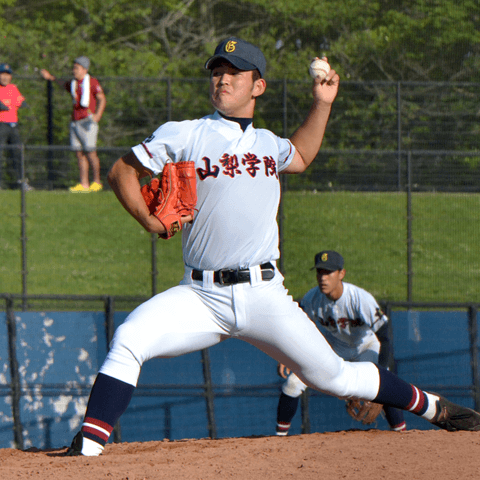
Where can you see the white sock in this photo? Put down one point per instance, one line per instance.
(282, 429)
(91, 448)
(432, 406)
(400, 428)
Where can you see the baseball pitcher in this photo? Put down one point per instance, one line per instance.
(231, 285)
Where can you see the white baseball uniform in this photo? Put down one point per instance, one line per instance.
(235, 227)
(348, 324)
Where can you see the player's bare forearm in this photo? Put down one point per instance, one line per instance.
(283, 371)
(308, 137)
(48, 76)
(124, 178)
(102, 103)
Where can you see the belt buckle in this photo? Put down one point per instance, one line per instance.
(227, 276)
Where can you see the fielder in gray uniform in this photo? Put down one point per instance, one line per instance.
(353, 324)
(231, 286)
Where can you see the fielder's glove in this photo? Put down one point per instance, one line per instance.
(363, 411)
(173, 197)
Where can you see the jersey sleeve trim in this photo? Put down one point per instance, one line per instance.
(288, 158)
(147, 151)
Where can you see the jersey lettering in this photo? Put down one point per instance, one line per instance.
(232, 166)
(230, 163)
(252, 161)
(270, 166)
(341, 322)
(209, 171)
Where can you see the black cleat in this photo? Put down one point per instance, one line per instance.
(75, 448)
(453, 417)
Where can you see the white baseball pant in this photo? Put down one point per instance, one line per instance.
(199, 314)
(294, 387)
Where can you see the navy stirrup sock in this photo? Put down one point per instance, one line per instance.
(395, 392)
(287, 407)
(109, 398)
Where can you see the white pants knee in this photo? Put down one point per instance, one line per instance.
(197, 315)
(294, 387)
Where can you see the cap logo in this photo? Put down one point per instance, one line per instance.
(324, 257)
(230, 46)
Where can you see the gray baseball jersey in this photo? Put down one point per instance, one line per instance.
(349, 323)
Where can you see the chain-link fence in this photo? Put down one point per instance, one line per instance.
(407, 151)
(394, 188)
(408, 232)
(388, 117)
(373, 129)
(50, 358)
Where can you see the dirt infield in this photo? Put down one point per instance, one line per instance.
(372, 454)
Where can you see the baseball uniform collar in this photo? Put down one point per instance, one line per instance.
(243, 122)
(230, 121)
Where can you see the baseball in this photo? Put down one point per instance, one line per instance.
(319, 68)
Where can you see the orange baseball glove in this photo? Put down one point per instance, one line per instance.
(173, 197)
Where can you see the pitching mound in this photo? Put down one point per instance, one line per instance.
(373, 454)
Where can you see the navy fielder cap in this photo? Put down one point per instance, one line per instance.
(328, 260)
(5, 68)
(241, 54)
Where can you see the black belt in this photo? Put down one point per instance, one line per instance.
(229, 276)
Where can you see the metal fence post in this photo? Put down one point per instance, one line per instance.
(23, 231)
(14, 375)
(305, 411)
(109, 319)
(209, 394)
(473, 331)
(409, 228)
(169, 99)
(390, 361)
(51, 177)
(399, 135)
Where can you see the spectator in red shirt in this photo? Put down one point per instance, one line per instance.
(10, 101)
(88, 106)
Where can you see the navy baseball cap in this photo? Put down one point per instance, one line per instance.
(328, 260)
(5, 68)
(241, 54)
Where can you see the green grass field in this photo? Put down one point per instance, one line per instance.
(87, 244)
